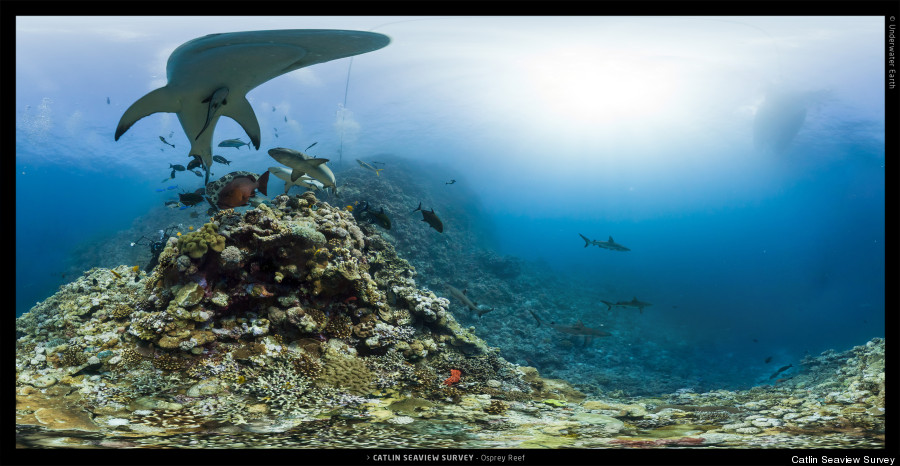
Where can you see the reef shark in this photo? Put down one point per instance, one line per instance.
(473, 306)
(210, 76)
(604, 244)
(303, 182)
(578, 329)
(301, 163)
(634, 303)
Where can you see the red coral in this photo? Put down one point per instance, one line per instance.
(682, 441)
(454, 377)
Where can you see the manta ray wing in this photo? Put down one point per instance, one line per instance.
(238, 61)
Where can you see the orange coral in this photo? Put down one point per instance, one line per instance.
(454, 377)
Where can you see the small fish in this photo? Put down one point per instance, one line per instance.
(349, 208)
(310, 146)
(431, 218)
(107, 101)
(178, 234)
(369, 167)
(182, 208)
(171, 176)
(159, 190)
(194, 214)
(236, 143)
(189, 199)
(171, 133)
(451, 182)
(177, 167)
(382, 219)
(171, 202)
(273, 108)
(780, 371)
(197, 172)
(169, 188)
(220, 159)
(166, 142)
(194, 163)
(285, 119)
(276, 129)
(768, 359)
(191, 228)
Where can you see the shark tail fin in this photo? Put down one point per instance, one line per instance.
(418, 208)
(535, 317)
(378, 171)
(587, 242)
(608, 305)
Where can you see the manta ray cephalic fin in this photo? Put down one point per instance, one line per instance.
(159, 100)
(239, 110)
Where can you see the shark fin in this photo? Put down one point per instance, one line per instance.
(611, 240)
(587, 242)
(159, 100)
(296, 174)
(243, 114)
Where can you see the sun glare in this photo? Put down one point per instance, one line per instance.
(594, 88)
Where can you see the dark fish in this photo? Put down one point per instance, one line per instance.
(171, 202)
(194, 214)
(190, 199)
(276, 129)
(177, 167)
(166, 142)
(430, 218)
(194, 163)
(215, 101)
(237, 143)
(382, 219)
(171, 176)
(276, 135)
(220, 159)
(273, 109)
(780, 371)
(197, 172)
(304, 150)
(451, 182)
(769, 359)
(107, 101)
(285, 119)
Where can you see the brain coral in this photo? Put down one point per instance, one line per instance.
(346, 373)
(196, 244)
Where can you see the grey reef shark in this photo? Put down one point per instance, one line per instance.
(604, 244)
(634, 303)
(210, 76)
(302, 164)
(463, 297)
(579, 329)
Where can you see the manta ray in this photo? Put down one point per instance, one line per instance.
(210, 76)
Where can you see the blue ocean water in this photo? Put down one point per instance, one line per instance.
(743, 250)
